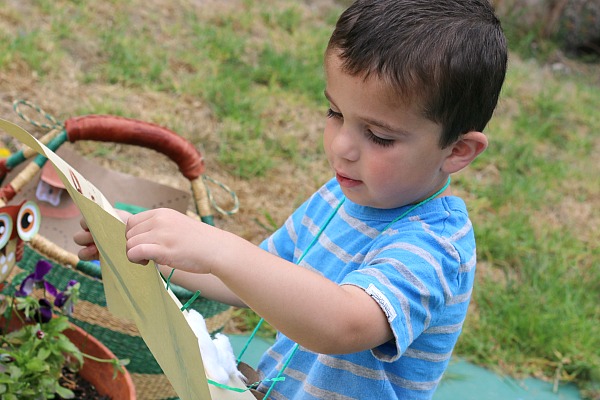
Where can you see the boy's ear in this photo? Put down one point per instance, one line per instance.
(464, 151)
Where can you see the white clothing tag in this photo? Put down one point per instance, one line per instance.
(383, 302)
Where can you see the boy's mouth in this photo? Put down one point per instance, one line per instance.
(346, 182)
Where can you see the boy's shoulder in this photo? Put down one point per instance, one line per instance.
(442, 229)
(443, 217)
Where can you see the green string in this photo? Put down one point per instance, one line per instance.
(310, 246)
(242, 390)
(404, 214)
(178, 291)
(236, 203)
(312, 243)
(190, 301)
(227, 387)
(252, 335)
(169, 278)
(54, 123)
(287, 362)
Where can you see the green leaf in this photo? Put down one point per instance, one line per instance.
(66, 345)
(59, 324)
(69, 348)
(43, 354)
(36, 365)
(15, 372)
(119, 366)
(64, 392)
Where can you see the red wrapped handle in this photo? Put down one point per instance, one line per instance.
(108, 128)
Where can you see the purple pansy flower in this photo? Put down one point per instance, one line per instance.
(44, 313)
(36, 279)
(62, 299)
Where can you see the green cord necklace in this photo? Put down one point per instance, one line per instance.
(310, 246)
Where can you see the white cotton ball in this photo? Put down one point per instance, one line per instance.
(226, 356)
(210, 353)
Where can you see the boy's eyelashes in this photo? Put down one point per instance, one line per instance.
(368, 133)
(378, 140)
(333, 114)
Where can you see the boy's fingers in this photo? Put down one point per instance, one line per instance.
(83, 224)
(124, 215)
(139, 254)
(83, 238)
(140, 217)
(138, 224)
(88, 253)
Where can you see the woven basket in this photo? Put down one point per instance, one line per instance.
(119, 335)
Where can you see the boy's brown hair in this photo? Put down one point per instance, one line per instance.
(449, 56)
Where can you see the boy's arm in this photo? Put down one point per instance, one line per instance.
(308, 308)
(209, 286)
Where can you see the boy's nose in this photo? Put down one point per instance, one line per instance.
(344, 144)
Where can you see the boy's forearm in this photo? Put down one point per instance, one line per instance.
(308, 308)
(209, 286)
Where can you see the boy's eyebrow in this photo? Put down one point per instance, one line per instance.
(374, 122)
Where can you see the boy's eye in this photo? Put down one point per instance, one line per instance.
(334, 114)
(378, 140)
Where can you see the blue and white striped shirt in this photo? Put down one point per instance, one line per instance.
(420, 271)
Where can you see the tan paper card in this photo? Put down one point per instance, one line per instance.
(141, 291)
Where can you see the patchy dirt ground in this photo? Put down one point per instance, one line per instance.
(265, 199)
(262, 200)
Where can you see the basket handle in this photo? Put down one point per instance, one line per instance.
(108, 128)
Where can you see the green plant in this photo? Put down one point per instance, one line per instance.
(33, 356)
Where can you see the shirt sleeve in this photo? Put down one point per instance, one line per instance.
(410, 284)
(283, 241)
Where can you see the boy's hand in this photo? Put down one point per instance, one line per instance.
(171, 238)
(84, 238)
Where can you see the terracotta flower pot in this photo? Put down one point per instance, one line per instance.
(96, 373)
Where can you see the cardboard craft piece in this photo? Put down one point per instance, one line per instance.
(60, 223)
(142, 292)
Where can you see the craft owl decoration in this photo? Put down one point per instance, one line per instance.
(18, 224)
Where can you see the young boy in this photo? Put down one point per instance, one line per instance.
(385, 253)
